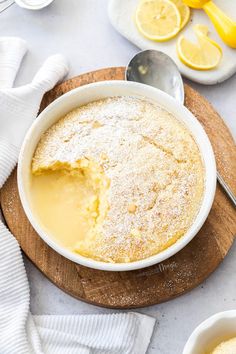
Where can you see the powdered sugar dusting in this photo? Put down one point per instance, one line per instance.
(154, 166)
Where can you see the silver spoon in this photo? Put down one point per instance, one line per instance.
(157, 69)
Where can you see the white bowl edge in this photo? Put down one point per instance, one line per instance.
(91, 92)
(211, 330)
(24, 4)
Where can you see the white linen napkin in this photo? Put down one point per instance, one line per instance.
(21, 332)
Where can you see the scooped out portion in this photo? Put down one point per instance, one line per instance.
(71, 201)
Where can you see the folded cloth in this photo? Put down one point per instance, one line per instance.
(19, 106)
(9, 62)
(21, 332)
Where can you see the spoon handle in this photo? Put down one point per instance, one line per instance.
(226, 188)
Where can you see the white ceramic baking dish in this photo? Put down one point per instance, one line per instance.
(211, 332)
(95, 91)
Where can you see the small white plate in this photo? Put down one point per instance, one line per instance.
(121, 14)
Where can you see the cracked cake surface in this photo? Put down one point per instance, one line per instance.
(137, 177)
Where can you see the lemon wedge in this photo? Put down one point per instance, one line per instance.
(184, 11)
(204, 55)
(158, 20)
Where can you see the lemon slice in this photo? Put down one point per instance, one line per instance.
(184, 11)
(201, 29)
(158, 20)
(204, 55)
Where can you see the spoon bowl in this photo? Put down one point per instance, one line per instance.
(156, 69)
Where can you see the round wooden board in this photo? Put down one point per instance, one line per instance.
(160, 282)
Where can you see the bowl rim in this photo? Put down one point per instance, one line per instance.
(210, 173)
(24, 5)
(206, 326)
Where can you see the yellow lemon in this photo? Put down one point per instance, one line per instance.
(184, 11)
(158, 20)
(204, 55)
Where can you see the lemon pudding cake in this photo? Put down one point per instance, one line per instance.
(226, 347)
(117, 180)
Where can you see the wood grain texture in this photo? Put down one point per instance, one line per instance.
(155, 284)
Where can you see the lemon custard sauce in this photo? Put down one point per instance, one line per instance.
(117, 180)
